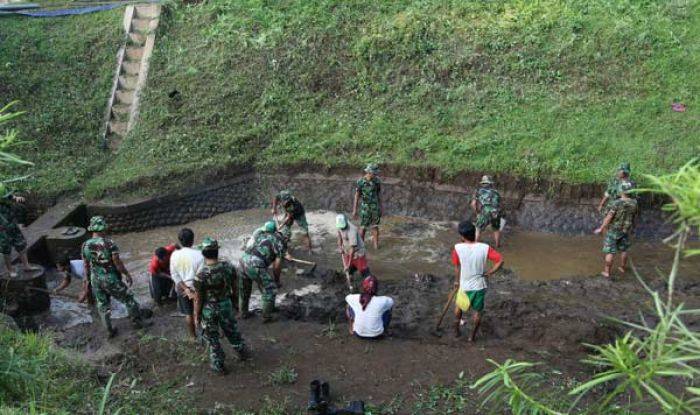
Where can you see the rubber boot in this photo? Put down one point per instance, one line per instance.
(267, 309)
(244, 298)
(314, 395)
(107, 323)
(242, 352)
(324, 398)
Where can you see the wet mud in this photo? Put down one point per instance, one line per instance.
(542, 306)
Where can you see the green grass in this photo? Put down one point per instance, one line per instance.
(38, 377)
(60, 70)
(553, 89)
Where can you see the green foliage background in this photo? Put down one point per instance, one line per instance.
(555, 89)
(60, 70)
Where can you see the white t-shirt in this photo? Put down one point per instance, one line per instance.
(368, 322)
(472, 262)
(351, 237)
(185, 263)
(77, 268)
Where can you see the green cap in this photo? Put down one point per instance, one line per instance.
(372, 168)
(624, 167)
(209, 243)
(5, 191)
(341, 222)
(270, 226)
(97, 224)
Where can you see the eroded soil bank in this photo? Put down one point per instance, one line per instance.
(526, 318)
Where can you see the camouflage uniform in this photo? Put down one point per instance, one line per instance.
(10, 234)
(295, 209)
(106, 279)
(617, 236)
(490, 201)
(254, 266)
(214, 284)
(370, 214)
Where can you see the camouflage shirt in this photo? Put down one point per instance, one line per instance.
(489, 199)
(624, 212)
(294, 208)
(369, 190)
(98, 254)
(214, 283)
(266, 249)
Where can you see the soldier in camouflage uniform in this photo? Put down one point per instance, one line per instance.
(104, 268)
(267, 250)
(617, 225)
(294, 213)
(486, 202)
(10, 233)
(213, 305)
(612, 192)
(368, 197)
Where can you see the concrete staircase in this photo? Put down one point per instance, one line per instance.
(140, 23)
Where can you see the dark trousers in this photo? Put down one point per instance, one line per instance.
(160, 288)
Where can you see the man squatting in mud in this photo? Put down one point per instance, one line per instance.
(368, 196)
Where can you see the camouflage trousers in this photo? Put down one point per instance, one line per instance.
(111, 286)
(488, 217)
(370, 216)
(616, 242)
(215, 316)
(11, 237)
(266, 284)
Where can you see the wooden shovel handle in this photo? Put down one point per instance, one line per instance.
(447, 306)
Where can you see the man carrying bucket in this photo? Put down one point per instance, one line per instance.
(469, 259)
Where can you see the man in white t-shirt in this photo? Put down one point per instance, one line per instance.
(185, 263)
(74, 268)
(469, 259)
(369, 315)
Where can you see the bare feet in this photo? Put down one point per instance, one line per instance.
(605, 274)
(622, 270)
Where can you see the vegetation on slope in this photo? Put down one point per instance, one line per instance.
(554, 89)
(60, 70)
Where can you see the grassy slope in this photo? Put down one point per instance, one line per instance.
(60, 70)
(557, 89)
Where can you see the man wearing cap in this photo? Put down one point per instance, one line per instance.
(267, 250)
(351, 247)
(213, 305)
(10, 233)
(102, 263)
(612, 192)
(617, 225)
(269, 229)
(294, 213)
(368, 197)
(486, 202)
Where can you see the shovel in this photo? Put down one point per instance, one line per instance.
(437, 332)
(301, 261)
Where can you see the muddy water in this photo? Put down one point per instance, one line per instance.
(409, 246)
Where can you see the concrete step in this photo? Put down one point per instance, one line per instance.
(134, 54)
(127, 82)
(117, 127)
(137, 39)
(131, 68)
(120, 112)
(125, 97)
(149, 11)
(141, 25)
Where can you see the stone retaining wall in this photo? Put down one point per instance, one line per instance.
(334, 192)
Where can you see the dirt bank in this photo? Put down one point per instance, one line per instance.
(532, 205)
